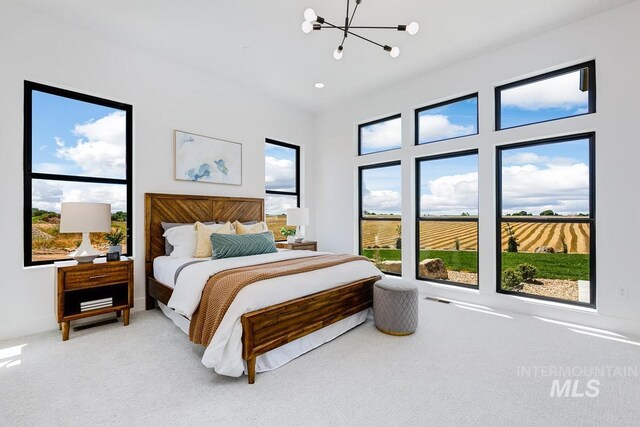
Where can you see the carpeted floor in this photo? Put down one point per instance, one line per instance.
(462, 367)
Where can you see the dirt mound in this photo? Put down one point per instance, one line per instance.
(36, 233)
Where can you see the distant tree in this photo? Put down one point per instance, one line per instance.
(548, 212)
(521, 213)
(464, 214)
(582, 214)
(119, 216)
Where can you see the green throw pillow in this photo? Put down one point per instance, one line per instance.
(235, 245)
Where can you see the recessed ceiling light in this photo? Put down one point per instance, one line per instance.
(319, 85)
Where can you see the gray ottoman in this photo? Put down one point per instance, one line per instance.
(395, 306)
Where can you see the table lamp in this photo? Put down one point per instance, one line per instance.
(298, 217)
(85, 218)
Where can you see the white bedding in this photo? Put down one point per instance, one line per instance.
(224, 353)
(165, 267)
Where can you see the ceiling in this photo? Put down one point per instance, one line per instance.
(259, 43)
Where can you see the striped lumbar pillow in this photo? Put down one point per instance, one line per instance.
(236, 245)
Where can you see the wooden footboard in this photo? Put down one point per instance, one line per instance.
(271, 327)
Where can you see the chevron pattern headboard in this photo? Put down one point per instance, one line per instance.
(189, 208)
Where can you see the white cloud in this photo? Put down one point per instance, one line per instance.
(524, 158)
(382, 136)
(100, 150)
(48, 195)
(451, 195)
(557, 92)
(560, 186)
(279, 174)
(381, 201)
(277, 204)
(438, 126)
(52, 168)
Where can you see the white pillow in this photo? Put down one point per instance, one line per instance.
(183, 239)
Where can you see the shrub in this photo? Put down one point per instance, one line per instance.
(512, 242)
(511, 280)
(527, 271)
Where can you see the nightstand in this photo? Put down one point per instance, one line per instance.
(86, 290)
(307, 245)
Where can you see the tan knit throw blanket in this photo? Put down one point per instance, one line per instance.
(222, 288)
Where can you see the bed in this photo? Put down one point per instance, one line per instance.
(319, 315)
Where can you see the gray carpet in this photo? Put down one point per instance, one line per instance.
(460, 368)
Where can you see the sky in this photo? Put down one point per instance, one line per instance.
(548, 99)
(77, 138)
(449, 186)
(280, 175)
(550, 176)
(448, 121)
(381, 190)
(381, 136)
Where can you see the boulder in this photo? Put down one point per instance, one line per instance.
(391, 266)
(433, 269)
(545, 250)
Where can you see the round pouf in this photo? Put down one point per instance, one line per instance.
(395, 306)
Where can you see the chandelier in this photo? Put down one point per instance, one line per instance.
(314, 22)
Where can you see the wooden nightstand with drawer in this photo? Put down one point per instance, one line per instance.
(86, 290)
(305, 245)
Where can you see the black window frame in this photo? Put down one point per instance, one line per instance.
(375, 122)
(420, 219)
(590, 65)
(297, 177)
(591, 219)
(361, 217)
(442, 104)
(29, 175)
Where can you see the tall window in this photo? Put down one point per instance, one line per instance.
(380, 220)
(556, 95)
(282, 183)
(77, 148)
(545, 204)
(447, 218)
(380, 135)
(447, 120)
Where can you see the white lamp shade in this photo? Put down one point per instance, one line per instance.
(85, 217)
(298, 216)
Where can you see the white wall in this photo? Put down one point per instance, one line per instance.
(612, 39)
(165, 95)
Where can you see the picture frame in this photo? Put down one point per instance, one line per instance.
(202, 158)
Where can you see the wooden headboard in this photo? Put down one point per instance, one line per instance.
(188, 209)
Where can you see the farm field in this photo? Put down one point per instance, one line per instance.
(275, 223)
(48, 243)
(442, 235)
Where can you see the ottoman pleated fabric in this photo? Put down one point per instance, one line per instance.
(395, 306)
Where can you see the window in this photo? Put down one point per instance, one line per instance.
(447, 218)
(380, 220)
(546, 242)
(447, 120)
(551, 96)
(380, 135)
(282, 183)
(77, 148)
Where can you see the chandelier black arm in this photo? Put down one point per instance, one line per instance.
(358, 27)
(330, 25)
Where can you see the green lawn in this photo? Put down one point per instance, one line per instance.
(550, 266)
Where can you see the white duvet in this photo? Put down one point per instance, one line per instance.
(224, 353)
